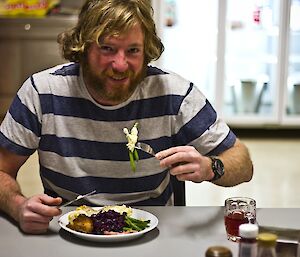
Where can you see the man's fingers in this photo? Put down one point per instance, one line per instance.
(173, 150)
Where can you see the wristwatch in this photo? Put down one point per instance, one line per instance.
(217, 167)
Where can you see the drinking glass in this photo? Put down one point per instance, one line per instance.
(238, 210)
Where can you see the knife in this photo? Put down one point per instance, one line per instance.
(77, 199)
(285, 233)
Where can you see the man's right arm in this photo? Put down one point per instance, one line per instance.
(33, 214)
(10, 193)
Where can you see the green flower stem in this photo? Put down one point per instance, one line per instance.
(132, 162)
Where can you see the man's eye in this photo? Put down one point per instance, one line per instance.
(134, 50)
(106, 49)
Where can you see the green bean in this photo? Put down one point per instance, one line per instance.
(137, 221)
(132, 225)
(136, 224)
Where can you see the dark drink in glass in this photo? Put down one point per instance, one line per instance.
(238, 210)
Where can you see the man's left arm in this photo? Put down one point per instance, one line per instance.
(187, 164)
(237, 164)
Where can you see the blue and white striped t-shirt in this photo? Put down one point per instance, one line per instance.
(81, 144)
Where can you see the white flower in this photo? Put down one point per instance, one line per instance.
(132, 137)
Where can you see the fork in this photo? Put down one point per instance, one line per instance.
(77, 199)
(144, 147)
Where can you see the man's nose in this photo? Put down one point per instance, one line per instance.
(120, 62)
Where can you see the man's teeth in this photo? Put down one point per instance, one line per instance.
(118, 78)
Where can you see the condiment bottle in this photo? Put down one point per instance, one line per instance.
(266, 245)
(247, 243)
(218, 251)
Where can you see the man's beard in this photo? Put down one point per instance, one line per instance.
(96, 81)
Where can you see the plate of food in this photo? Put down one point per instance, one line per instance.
(109, 223)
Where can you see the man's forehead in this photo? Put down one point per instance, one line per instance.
(133, 34)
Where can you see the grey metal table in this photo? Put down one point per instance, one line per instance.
(182, 231)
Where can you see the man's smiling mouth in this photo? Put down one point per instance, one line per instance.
(118, 78)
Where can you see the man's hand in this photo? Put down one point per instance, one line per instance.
(186, 163)
(36, 213)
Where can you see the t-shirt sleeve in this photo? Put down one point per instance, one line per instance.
(21, 128)
(199, 125)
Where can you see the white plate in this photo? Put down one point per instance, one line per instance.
(136, 213)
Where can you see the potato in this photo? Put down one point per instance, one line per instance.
(82, 223)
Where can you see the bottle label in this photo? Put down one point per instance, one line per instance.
(248, 250)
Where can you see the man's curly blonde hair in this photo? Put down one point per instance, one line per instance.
(101, 18)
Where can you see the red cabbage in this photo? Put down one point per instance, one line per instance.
(108, 221)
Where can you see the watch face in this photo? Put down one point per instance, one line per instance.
(219, 167)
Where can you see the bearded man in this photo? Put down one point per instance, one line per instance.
(74, 114)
